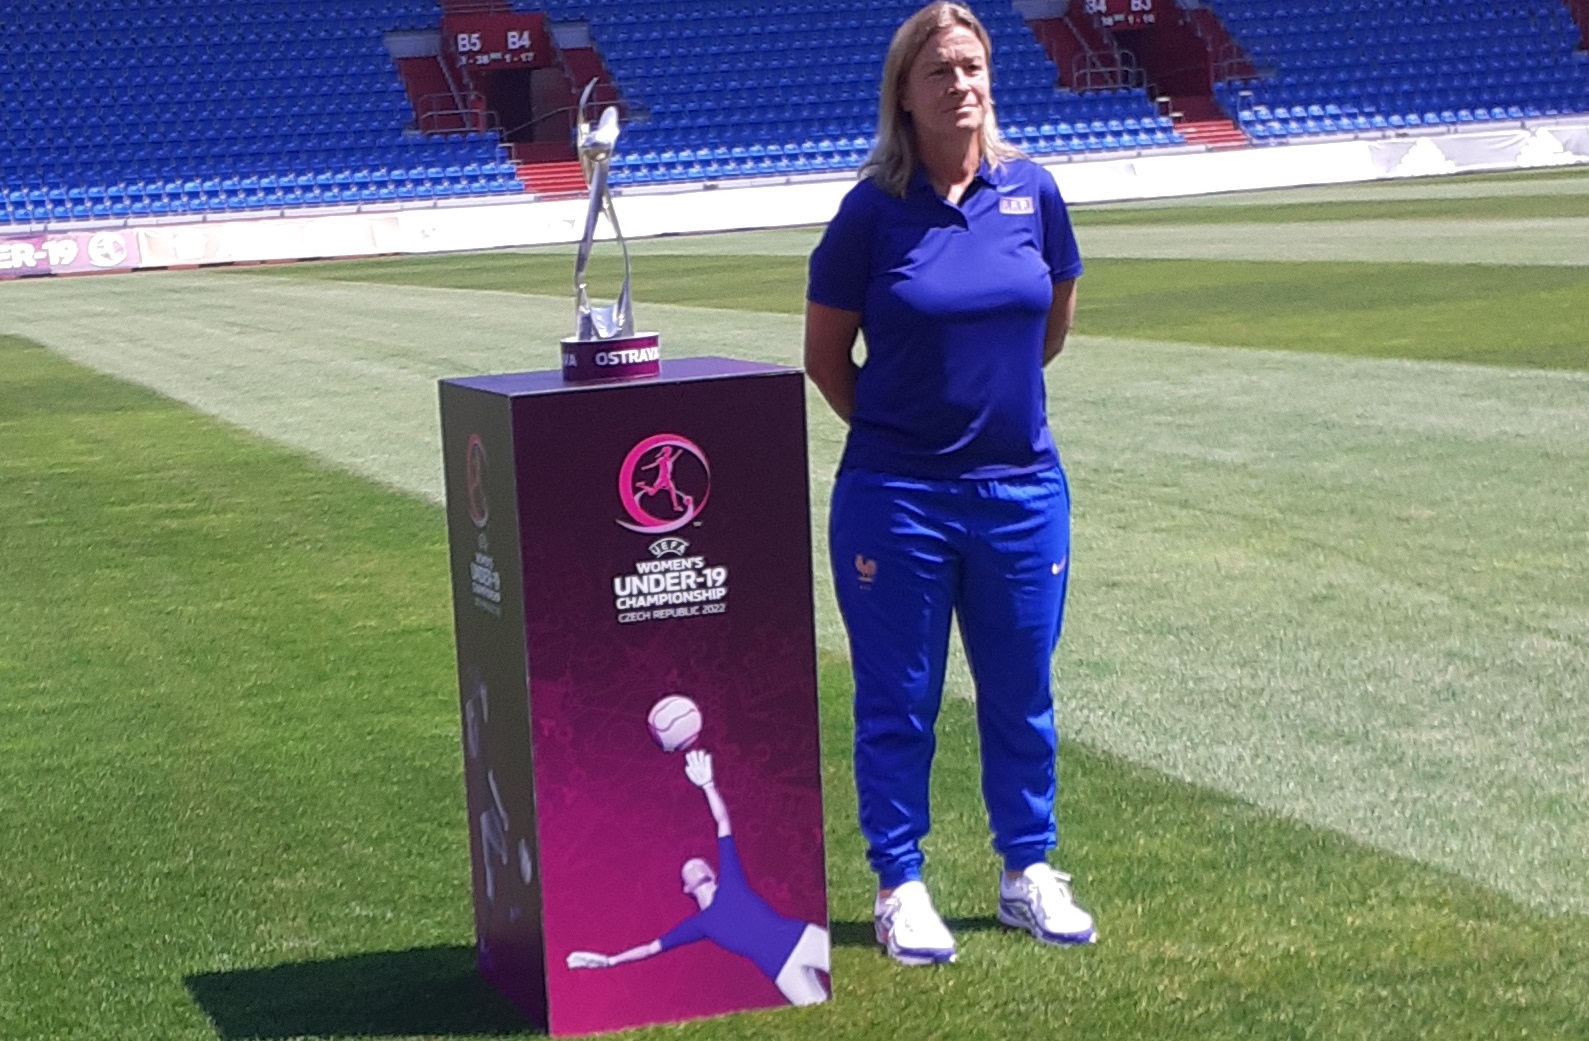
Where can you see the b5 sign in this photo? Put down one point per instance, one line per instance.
(499, 39)
(517, 40)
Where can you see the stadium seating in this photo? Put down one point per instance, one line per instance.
(123, 109)
(1364, 66)
(129, 108)
(188, 108)
(750, 89)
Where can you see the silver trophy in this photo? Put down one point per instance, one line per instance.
(604, 344)
(595, 157)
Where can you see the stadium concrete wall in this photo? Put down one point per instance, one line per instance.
(498, 224)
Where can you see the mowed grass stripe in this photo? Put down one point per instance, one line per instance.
(224, 678)
(1569, 199)
(1279, 549)
(237, 735)
(1537, 241)
(1559, 180)
(1349, 590)
(686, 271)
(1490, 314)
(1524, 317)
(347, 371)
(1454, 238)
(1557, 192)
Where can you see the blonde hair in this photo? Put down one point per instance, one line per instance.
(894, 157)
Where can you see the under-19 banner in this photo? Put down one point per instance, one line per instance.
(67, 253)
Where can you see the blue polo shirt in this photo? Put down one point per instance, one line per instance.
(954, 303)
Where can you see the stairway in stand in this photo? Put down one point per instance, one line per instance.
(544, 173)
(1202, 122)
(1220, 135)
(544, 165)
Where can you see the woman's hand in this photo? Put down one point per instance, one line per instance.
(1060, 314)
(830, 337)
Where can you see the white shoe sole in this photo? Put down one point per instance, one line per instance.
(1022, 921)
(906, 956)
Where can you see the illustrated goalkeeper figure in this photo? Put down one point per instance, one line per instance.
(791, 953)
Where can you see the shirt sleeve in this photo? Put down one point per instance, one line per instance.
(841, 265)
(687, 931)
(728, 869)
(1059, 241)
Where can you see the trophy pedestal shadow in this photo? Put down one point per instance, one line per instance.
(631, 581)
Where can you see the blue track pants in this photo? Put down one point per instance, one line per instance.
(907, 555)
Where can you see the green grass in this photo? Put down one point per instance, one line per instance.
(1529, 317)
(1516, 316)
(234, 792)
(215, 753)
(1524, 207)
(1349, 590)
(773, 284)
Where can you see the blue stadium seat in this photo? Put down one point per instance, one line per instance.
(315, 96)
(1403, 70)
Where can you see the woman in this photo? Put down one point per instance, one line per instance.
(955, 256)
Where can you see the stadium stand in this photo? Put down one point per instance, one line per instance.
(1356, 66)
(236, 106)
(132, 108)
(1179, 53)
(176, 109)
(759, 89)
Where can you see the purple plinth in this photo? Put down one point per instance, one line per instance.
(615, 545)
(625, 358)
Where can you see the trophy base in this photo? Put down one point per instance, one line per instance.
(600, 361)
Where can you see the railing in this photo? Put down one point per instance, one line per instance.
(444, 59)
(626, 110)
(1090, 72)
(1094, 69)
(476, 7)
(512, 132)
(1231, 62)
(593, 109)
(1227, 60)
(442, 113)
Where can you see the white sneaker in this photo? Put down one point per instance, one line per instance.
(1039, 901)
(908, 926)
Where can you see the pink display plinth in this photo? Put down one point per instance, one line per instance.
(619, 548)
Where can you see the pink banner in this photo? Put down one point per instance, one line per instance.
(67, 253)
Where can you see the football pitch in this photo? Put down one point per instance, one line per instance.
(1324, 688)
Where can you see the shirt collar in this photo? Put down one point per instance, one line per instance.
(993, 176)
(989, 175)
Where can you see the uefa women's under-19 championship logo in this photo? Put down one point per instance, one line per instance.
(474, 467)
(663, 484)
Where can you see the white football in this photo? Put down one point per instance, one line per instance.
(675, 723)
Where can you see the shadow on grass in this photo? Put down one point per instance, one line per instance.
(860, 934)
(427, 990)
